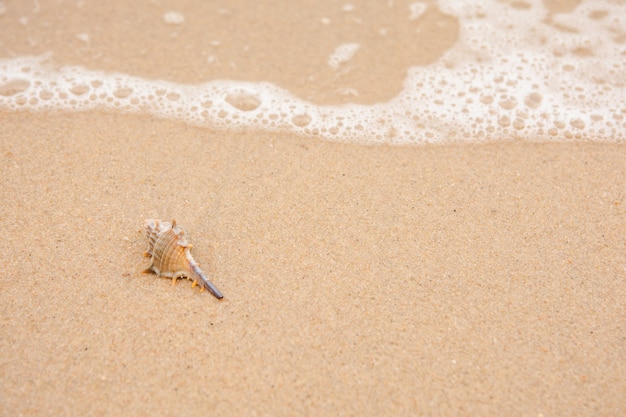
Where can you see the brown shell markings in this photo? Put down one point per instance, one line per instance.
(170, 255)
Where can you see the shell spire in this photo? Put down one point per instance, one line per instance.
(170, 255)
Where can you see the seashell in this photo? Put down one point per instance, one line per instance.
(170, 255)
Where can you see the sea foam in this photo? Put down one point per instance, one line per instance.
(517, 71)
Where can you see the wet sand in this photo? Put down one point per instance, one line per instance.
(465, 279)
(285, 43)
(481, 279)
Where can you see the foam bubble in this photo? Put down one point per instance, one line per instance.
(348, 7)
(84, 36)
(243, 100)
(14, 86)
(416, 10)
(517, 71)
(301, 120)
(173, 18)
(343, 53)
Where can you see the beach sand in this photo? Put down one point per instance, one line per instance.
(483, 279)
(464, 279)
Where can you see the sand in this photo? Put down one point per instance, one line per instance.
(465, 279)
(480, 279)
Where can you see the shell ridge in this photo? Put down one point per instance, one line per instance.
(170, 256)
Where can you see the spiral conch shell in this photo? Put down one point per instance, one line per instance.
(170, 255)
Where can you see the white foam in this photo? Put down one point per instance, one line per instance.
(516, 72)
(342, 54)
(416, 10)
(173, 18)
(84, 36)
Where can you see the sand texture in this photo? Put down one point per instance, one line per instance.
(358, 280)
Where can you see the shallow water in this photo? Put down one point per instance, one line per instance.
(399, 72)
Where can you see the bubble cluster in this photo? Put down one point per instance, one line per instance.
(515, 72)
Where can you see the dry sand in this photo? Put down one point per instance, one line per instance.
(437, 280)
(485, 279)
